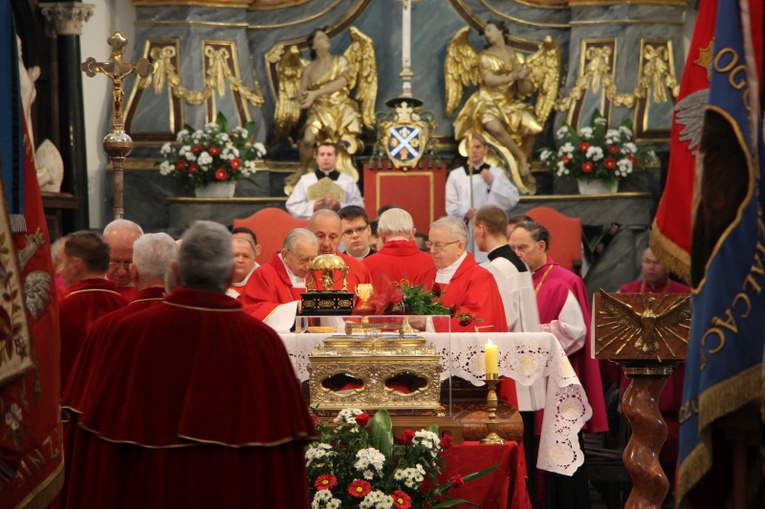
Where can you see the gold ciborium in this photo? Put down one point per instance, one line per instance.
(327, 265)
(364, 292)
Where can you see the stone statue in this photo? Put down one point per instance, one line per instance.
(50, 167)
(506, 80)
(323, 89)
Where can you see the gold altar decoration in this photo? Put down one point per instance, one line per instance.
(333, 116)
(647, 334)
(372, 361)
(501, 112)
(118, 144)
(220, 68)
(657, 82)
(326, 301)
(492, 379)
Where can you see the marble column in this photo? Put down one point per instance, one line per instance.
(65, 20)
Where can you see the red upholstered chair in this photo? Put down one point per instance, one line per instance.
(566, 233)
(271, 225)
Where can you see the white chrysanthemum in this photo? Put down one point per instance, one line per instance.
(412, 477)
(629, 148)
(561, 168)
(222, 138)
(324, 498)
(318, 453)
(376, 499)
(211, 127)
(585, 133)
(567, 148)
(204, 159)
(625, 166)
(595, 153)
(166, 149)
(600, 121)
(368, 474)
(260, 148)
(248, 168)
(626, 131)
(369, 457)
(612, 136)
(165, 168)
(561, 133)
(333, 503)
(428, 439)
(241, 132)
(545, 155)
(347, 415)
(181, 134)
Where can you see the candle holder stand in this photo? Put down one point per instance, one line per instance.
(491, 404)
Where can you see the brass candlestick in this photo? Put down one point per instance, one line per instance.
(491, 404)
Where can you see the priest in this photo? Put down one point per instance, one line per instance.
(565, 312)
(323, 188)
(121, 234)
(461, 283)
(399, 258)
(244, 265)
(169, 437)
(90, 295)
(475, 185)
(281, 279)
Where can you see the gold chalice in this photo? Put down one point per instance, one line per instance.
(364, 292)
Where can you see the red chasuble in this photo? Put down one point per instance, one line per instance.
(268, 287)
(399, 259)
(128, 293)
(85, 302)
(553, 283)
(194, 405)
(357, 273)
(471, 290)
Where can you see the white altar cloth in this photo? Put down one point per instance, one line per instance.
(524, 357)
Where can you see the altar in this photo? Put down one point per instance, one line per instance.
(524, 357)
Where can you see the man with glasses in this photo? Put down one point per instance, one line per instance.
(89, 294)
(354, 221)
(281, 279)
(460, 281)
(121, 234)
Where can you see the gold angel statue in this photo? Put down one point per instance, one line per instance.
(498, 109)
(322, 87)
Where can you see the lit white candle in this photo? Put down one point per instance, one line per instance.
(492, 362)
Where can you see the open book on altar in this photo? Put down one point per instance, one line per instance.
(325, 187)
(282, 317)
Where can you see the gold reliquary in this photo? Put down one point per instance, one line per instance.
(327, 271)
(371, 369)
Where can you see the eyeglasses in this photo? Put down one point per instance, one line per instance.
(355, 231)
(121, 263)
(650, 262)
(439, 245)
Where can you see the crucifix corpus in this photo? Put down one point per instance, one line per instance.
(117, 143)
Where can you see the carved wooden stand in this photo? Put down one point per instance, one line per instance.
(647, 335)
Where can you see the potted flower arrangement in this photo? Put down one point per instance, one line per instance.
(597, 157)
(359, 463)
(211, 160)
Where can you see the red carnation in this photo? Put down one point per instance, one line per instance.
(456, 481)
(325, 482)
(214, 151)
(609, 163)
(446, 442)
(401, 500)
(587, 167)
(566, 159)
(632, 159)
(180, 164)
(362, 419)
(359, 488)
(193, 168)
(236, 163)
(406, 437)
(612, 149)
(584, 146)
(221, 174)
(197, 149)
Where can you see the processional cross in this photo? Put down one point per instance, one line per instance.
(118, 144)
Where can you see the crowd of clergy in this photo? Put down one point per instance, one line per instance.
(178, 393)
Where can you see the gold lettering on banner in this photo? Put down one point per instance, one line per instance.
(730, 319)
(37, 459)
(688, 410)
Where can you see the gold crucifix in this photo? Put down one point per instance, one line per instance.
(117, 143)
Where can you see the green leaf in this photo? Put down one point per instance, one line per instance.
(381, 432)
(222, 122)
(476, 475)
(452, 503)
(433, 428)
(250, 127)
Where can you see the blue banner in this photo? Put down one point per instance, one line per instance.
(11, 119)
(724, 362)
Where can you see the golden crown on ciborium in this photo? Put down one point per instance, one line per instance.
(327, 265)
